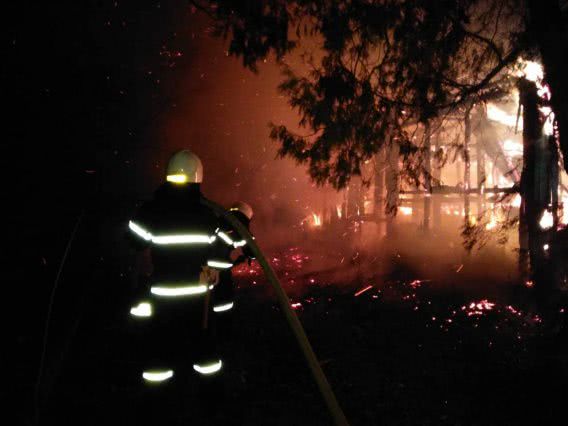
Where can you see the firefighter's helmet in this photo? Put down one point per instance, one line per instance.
(184, 167)
(242, 207)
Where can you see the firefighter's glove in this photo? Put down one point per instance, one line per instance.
(209, 275)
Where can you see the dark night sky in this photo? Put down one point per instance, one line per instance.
(116, 87)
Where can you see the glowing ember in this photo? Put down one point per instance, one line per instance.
(416, 283)
(478, 308)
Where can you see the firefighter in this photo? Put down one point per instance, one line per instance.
(228, 241)
(173, 308)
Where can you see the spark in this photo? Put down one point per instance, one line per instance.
(360, 292)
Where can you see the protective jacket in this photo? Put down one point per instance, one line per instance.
(172, 310)
(229, 240)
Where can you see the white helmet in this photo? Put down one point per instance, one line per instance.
(184, 167)
(242, 207)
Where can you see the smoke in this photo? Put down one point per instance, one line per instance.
(221, 111)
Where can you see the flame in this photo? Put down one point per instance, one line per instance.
(564, 217)
(530, 70)
(533, 71)
(338, 209)
(317, 219)
(512, 147)
(546, 220)
(516, 201)
(548, 127)
(493, 221)
(495, 113)
(406, 211)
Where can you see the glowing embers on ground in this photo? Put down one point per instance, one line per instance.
(426, 303)
(478, 308)
(143, 309)
(208, 368)
(286, 263)
(170, 239)
(296, 305)
(223, 307)
(179, 290)
(157, 376)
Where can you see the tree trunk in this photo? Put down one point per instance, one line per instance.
(534, 181)
(392, 185)
(437, 175)
(548, 29)
(467, 163)
(427, 177)
(378, 195)
(481, 177)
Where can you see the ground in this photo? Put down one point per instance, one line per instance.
(398, 348)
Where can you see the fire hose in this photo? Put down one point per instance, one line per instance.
(317, 373)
